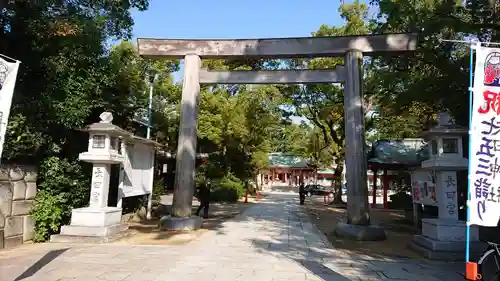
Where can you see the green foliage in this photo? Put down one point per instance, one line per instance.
(67, 78)
(323, 104)
(64, 185)
(228, 189)
(66, 177)
(48, 214)
(435, 77)
(158, 189)
(238, 129)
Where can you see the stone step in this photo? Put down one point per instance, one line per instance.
(93, 231)
(78, 239)
(446, 251)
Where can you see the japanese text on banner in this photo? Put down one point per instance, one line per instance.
(8, 75)
(485, 140)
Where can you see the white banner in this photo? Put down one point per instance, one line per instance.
(8, 75)
(484, 169)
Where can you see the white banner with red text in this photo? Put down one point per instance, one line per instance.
(484, 167)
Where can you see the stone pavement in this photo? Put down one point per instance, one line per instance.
(270, 241)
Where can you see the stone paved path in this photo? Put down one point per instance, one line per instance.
(270, 241)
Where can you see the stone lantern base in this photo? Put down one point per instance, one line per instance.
(444, 239)
(92, 225)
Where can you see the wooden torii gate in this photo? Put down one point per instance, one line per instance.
(351, 47)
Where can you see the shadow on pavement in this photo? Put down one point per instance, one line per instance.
(43, 261)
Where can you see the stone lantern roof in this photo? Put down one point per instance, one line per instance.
(105, 126)
(445, 127)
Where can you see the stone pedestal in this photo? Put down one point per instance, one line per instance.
(93, 225)
(172, 223)
(444, 239)
(360, 232)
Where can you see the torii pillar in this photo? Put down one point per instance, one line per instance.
(353, 48)
(358, 225)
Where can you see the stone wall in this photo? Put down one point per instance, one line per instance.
(17, 192)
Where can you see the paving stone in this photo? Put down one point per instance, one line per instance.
(115, 275)
(143, 276)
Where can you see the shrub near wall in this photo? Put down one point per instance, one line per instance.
(63, 185)
(229, 189)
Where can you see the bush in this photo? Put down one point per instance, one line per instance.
(63, 185)
(48, 213)
(158, 189)
(228, 189)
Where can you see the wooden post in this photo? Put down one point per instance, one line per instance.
(358, 210)
(186, 149)
(385, 181)
(374, 187)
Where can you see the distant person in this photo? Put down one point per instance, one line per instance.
(204, 197)
(302, 193)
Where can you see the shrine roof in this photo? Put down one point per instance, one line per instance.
(397, 153)
(278, 159)
(326, 172)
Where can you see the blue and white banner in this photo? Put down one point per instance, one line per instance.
(8, 76)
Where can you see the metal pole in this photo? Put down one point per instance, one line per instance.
(471, 99)
(148, 136)
(148, 133)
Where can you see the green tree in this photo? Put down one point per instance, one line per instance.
(238, 128)
(68, 77)
(436, 77)
(323, 105)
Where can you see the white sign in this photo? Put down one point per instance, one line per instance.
(424, 192)
(484, 166)
(423, 188)
(138, 170)
(8, 75)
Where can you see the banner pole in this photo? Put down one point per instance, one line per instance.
(471, 94)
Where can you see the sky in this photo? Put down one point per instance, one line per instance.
(240, 19)
(225, 19)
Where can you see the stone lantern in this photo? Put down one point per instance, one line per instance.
(442, 237)
(98, 221)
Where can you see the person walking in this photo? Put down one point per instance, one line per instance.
(302, 193)
(204, 197)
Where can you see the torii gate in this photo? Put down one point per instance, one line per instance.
(351, 47)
